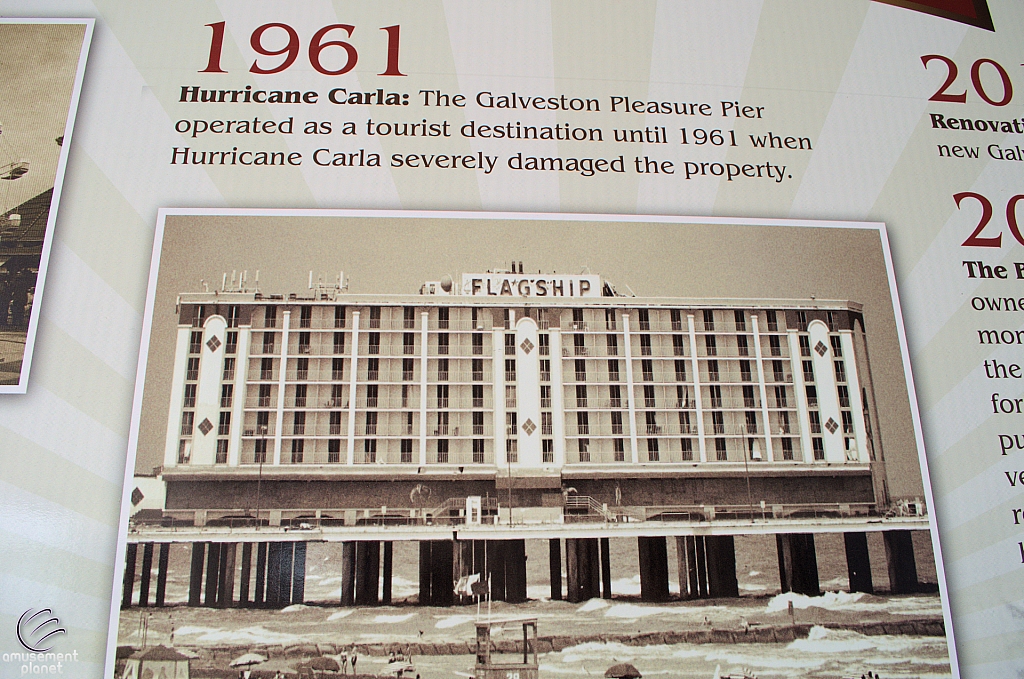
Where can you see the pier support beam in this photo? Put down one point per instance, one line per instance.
(128, 584)
(286, 552)
(367, 573)
(653, 554)
(721, 556)
(260, 595)
(798, 564)
(385, 597)
(212, 573)
(147, 573)
(273, 595)
(226, 584)
(299, 574)
(161, 572)
(437, 564)
(686, 557)
(858, 562)
(700, 557)
(899, 555)
(245, 575)
(606, 568)
(195, 580)
(515, 571)
(555, 567)
(348, 573)
(496, 568)
(583, 569)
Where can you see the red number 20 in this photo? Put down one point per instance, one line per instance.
(975, 240)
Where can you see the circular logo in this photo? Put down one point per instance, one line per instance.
(36, 629)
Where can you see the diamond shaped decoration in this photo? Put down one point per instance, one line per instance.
(821, 348)
(529, 427)
(526, 346)
(831, 426)
(213, 343)
(205, 426)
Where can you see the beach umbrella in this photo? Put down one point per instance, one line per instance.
(324, 664)
(623, 671)
(247, 660)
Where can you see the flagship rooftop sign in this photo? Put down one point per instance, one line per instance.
(529, 285)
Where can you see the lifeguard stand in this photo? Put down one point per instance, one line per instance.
(487, 668)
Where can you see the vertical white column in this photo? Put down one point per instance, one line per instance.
(764, 390)
(352, 382)
(853, 385)
(424, 339)
(557, 397)
(177, 396)
(828, 397)
(697, 397)
(281, 386)
(238, 409)
(498, 378)
(801, 396)
(630, 397)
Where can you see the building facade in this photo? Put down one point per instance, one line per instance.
(519, 387)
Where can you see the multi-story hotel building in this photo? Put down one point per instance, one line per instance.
(528, 387)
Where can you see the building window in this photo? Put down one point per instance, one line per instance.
(652, 423)
(618, 450)
(409, 317)
(443, 315)
(713, 371)
(372, 369)
(844, 396)
(815, 418)
(371, 423)
(682, 396)
(612, 344)
(581, 396)
(781, 399)
(222, 451)
(784, 422)
(300, 395)
(645, 345)
(652, 450)
(742, 347)
(478, 424)
(478, 396)
(375, 317)
(299, 423)
(577, 320)
(372, 390)
(840, 371)
(831, 319)
(335, 423)
(711, 345)
(442, 370)
(547, 447)
(545, 370)
(787, 449)
(715, 392)
(805, 345)
(442, 395)
(511, 450)
(847, 421)
(819, 448)
(511, 426)
(579, 346)
(302, 368)
(614, 396)
(478, 451)
(808, 371)
(374, 343)
(740, 319)
(617, 422)
(268, 342)
(773, 321)
(777, 372)
(812, 396)
(717, 422)
(339, 317)
(678, 348)
(190, 396)
(684, 422)
(751, 421)
(837, 346)
(224, 424)
(545, 396)
(305, 316)
(339, 343)
(510, 370)
(187, 422)
(184, 451)
(195, 342)
(231, 342)
(510, 344)
(774, 348)
(510, 396)
(478, 343)
(337, 369)
(580, 366)
(369, 450)
(406, 449)
(645, 319)
(263, 400)
(334, 451)
(297, 447)
(745, 371)
(229, 369)
(686, 449)
(226, 392)
(266, 369)
(748, 396)
(709, 320)
(649, 396)
(442, 344)
(721, 453)
(613, 370)
(408, 368)
(583, 423)
(442, 451)
(647, 369)
(192, 369)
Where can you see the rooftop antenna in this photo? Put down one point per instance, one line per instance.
(310, 279)
(224, 282)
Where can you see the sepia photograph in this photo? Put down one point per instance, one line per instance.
(40, 78)
(521, 446)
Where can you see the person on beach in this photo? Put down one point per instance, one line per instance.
(354, 659)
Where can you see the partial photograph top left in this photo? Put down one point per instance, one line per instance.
(41, 69)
